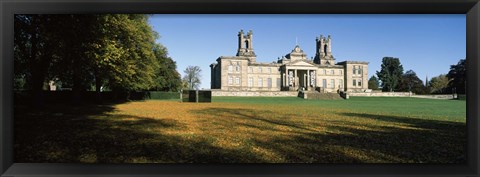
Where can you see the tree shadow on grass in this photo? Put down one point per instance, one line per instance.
(416, 140)
(390, 139)
(233, 116)
(88, 134)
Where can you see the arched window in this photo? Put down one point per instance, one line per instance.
(247, 44)
(325, 49)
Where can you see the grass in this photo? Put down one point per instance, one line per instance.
(246, 130)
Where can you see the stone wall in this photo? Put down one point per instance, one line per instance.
(396, 94)
(255, 93)
(445, 97)
(319, 96)
(401, 94)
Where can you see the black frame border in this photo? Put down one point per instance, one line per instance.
(10, 7)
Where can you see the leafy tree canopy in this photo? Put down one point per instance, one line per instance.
(116, 51)
(390, 73)
(373, 83)
(411, 83)
(458, 77)
(439, 84)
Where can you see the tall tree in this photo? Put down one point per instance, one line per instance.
(167, 78)
(410, 82)
(439, 84)
(115, 51)
(123, 52)
(458, 77)
(390, 73)
(37, 44)
(373, 83)
(192, 77)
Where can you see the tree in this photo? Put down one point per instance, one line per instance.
(373, 83)
(124, 52)
(167, 78)
(390, 73)
(90, 51)
(439, 84)
(457, 76)
(192, 77)
(40, 43)
(410, 82)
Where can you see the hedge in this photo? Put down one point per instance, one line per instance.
(155, 95)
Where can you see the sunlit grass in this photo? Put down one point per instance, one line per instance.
(247, 130)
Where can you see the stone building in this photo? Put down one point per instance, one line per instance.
(292, 72)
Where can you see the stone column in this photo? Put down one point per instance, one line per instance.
(286, 76)
(295, 79)
(308, 79)
(304, 81)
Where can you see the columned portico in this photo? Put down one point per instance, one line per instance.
(296, 78)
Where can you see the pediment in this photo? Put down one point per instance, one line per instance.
(300, 63)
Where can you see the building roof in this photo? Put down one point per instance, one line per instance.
(352, 62)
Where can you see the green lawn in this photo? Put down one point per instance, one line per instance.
(451, 110)
(245, 130)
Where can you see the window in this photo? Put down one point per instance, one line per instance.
(340, 83)
(237, 69)
(332, 83)
(269, 82)
(237, 80)
(354, 69)
(359, 83)
(250, 82)
(278, 82)
(230, 80)
(260, 82)
(332, 72)
(341, 72)
(324, 72)
(250, 70)
(230, 68)
(354, 82)
(269, 70)
(324, 83)
(260, 70)
(359, 70)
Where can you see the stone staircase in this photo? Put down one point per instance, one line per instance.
(315, 95)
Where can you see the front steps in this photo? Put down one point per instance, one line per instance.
(315, 95)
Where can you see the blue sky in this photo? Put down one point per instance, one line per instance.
(427, 44)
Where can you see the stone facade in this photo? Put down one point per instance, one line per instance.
(216, 92)
(292, 72)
